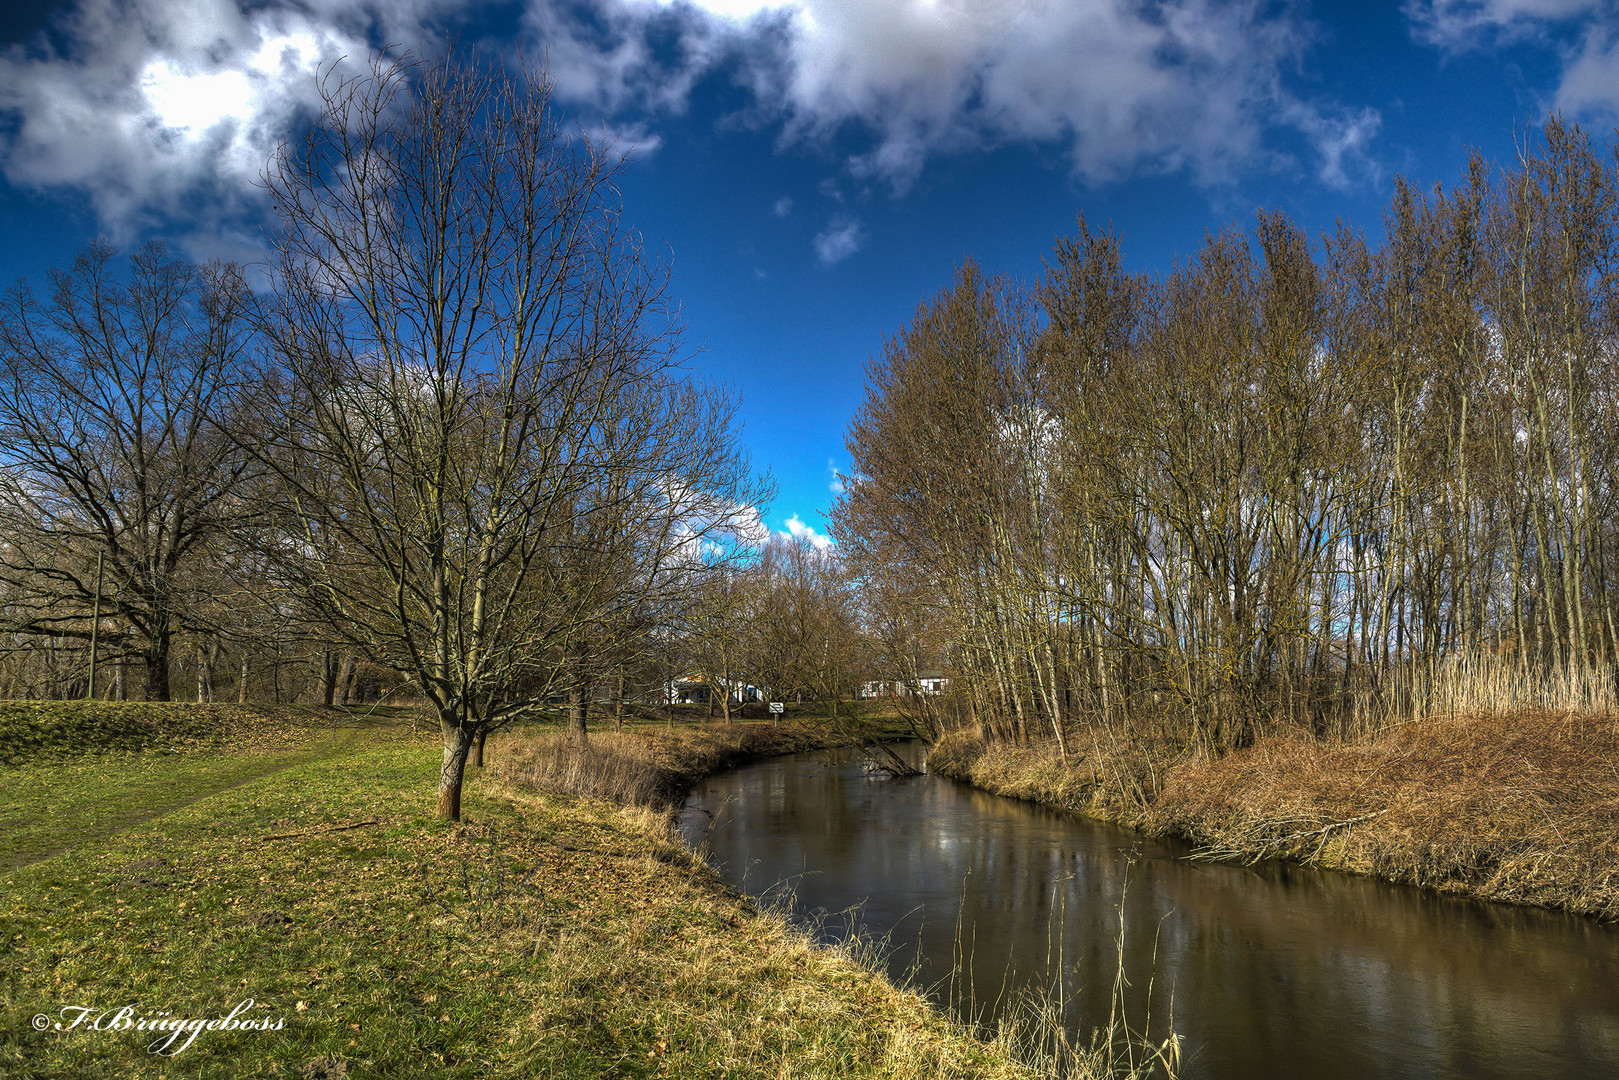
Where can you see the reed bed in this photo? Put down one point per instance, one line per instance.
(1522, 808)
(644, 768)
(1518, 807)
(1105, 777)
(1478, 684)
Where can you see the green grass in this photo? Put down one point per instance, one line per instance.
(547, 937)
(52, 732)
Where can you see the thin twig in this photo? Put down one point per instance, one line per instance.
(327, 829)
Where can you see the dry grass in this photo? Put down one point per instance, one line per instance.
(1475, 684)
(1523, 809)
(1520, 808)
(1107, 778)
(647, 767)
(656, 953)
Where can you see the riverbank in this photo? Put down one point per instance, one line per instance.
(647, 764)
(547, 935)
(1521, 809)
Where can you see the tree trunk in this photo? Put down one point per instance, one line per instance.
(457, 744)
(577, 734)
(241, 684)
(328, 678)
(344, 693)
(157, 669)
(205, 671)
(477, 748)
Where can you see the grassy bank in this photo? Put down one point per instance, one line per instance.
(1521, 809)
(50, 732)
(549, 935)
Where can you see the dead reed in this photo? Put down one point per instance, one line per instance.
(1107, 777)
(1478, 684)
(1521, 808)
(644, 768)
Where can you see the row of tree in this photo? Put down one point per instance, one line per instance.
(787, 622)
(1288, 483)
(450, 442)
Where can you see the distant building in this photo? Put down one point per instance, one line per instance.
(927, 682)
(693, 689)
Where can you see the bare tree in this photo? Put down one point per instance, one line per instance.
(109, 389)
(1322, 486)
(480, 391)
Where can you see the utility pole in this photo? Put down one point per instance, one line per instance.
(95, 630)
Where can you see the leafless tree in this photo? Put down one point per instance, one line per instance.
(1318, 485)
(478, 380)
(110, 387)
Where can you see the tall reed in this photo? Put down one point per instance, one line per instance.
(1472, 683)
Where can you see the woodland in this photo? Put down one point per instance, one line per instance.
(1317, 486)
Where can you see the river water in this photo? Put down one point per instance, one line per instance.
(1265, 971)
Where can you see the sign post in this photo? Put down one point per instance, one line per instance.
(776, 709)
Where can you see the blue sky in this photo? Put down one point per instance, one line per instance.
(815, 169)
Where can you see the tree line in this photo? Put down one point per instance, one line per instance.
(1315, 485)
(449, 448)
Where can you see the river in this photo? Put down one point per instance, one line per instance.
(1265, 971)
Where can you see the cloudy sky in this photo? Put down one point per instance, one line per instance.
(816, 168)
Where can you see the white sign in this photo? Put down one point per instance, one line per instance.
(777, 707)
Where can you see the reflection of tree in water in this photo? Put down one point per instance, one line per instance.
(1272, 970)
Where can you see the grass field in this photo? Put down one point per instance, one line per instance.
(546, 936)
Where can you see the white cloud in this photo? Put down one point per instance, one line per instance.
(841, 238)
(749, 525)
(1124, 86)
(783, 207)
(163, 108)
(798, 530)
(623, 142)
(1461, 24)
(1589, 83)
(169, 108)
(1343, 141)
(837, 485)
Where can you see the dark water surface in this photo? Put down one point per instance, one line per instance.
(1272, 971)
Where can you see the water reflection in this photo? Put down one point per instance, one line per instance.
(1274, 970)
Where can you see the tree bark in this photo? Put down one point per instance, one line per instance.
(328, 678)
(205, 671)
(577, 735)
(344, 694)
(157, 668)
(457, 744)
